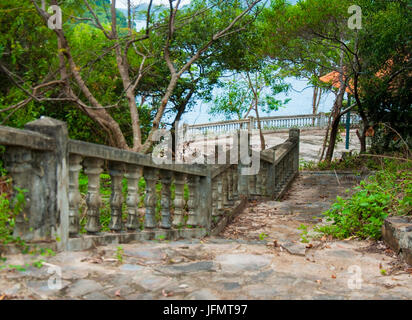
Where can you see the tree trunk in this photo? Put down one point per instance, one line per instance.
(332, 139)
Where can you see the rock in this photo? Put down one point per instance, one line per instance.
(397, 234)
(152, 254)
(243, 262)
(13, 290)
(131, 267)
(37, 273)
(344, 254)
(188, 268)
(141, 296)
(262, 276)
(44, 289)
(262, 292)
(298, 249)
(231, 285)
(96, 296)
(74, 273)
(119, 291)
(152, 282)
(203, 294)
(83, 287)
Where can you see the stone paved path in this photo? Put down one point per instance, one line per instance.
(237, 265)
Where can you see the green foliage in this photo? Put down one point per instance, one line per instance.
(304, 234)
(388, 192)
(256, 88)
(263, 236)
(9, 209)
(119, 254)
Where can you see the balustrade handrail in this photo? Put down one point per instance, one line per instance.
(93, 150)
(320, 117)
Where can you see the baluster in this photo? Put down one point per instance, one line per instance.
(263, 181)
(150, 175)
(116, 171)
(235, 182)
(252, 184)
(230, 184)
(74, 193)
(166, 179)
(133, 174)
(179, 201)
(215, 198)
(220, 194)
(259, 179)
(193, 184)
(93, 169)
(225, 187)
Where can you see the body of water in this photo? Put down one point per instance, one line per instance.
(300, 103)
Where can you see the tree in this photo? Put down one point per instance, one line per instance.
(133, 61)
(255, 90)
(317, 32)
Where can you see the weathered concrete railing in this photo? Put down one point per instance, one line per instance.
(42, 160)
(270, 123)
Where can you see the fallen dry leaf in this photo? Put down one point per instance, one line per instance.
(167, 293)
(309, 245)
(2, 297)
(333, 276)
(117, 293)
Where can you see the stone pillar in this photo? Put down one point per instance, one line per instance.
(150, 175)
(166, 179)
(93, 169)
(179, 201)
(193, 183)
(116, 171)
(74, 193)
(133, 176)
(51, 184)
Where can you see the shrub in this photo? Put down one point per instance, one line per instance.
(388, 192)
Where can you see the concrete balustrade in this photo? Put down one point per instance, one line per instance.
(318, 121)
(47, 164)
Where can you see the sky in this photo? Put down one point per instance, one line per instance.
(300, 95)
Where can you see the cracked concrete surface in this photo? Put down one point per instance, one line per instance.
(239, 264)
